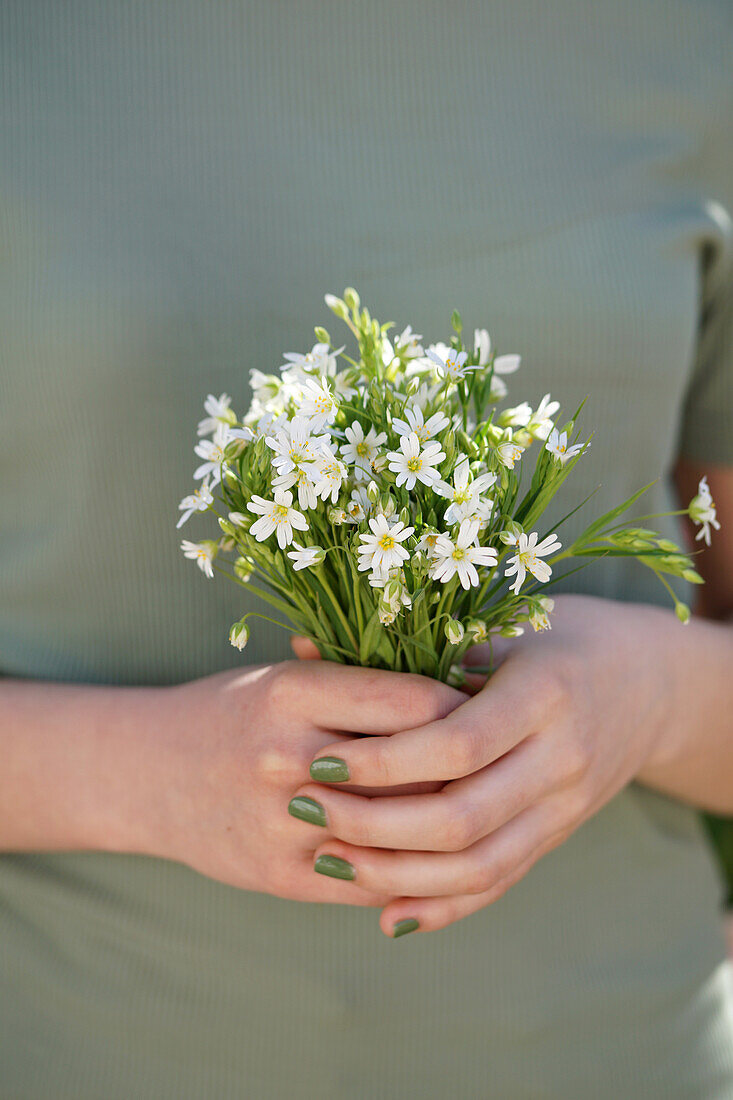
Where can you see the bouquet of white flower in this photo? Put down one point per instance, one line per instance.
(417, 536)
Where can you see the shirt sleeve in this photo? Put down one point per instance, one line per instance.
(706, 428)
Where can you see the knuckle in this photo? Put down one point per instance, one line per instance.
(461, 829)
(467, 749)
(277, 765)
(552, 687)
(422, 700)
(477, 880)
(576, 758)
(278, 685)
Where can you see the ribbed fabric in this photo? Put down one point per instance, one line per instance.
(180, 182)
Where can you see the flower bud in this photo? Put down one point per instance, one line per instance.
(456, 322)
(405, 515)
(322, 335)
(387, 506)
(240, 519)
(352, 299)
(337, 306)
(372, 492)
(387, 614)
(692, 576)
(456, 676)
(510, 535)
(682, 612)
(512, 631)
(239, 634)
(243, 569)
(454, 631)
(477, 631)
(228, 528)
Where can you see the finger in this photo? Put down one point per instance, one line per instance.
(491, 654)
(304, 649)
(433, 874)
(460, 813)
(360, 700)
(432, 914)
(471, 736)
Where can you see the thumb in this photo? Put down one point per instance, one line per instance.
(304, 649)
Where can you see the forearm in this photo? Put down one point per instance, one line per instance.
(693, 755)
(74, 764)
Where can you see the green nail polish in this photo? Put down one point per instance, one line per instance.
(335, 867)
(409, 924)
(330, 769)
(307, 809)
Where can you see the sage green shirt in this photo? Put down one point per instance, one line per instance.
(180, 183)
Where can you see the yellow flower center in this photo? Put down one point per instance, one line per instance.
(458, 554)
(414, 464)
(386, 542)
(462, 495)
(362, 449)
(280, 513)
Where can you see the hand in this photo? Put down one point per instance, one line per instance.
(229, 751)
(568, 719)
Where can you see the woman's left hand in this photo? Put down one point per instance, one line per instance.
(569, 718)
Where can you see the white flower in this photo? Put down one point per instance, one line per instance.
(539, 617)
(329, 473)
(294, 445)
(506, 364)
(277, 515)
(302, 476)
(203, 553)
(465, 495)
(516, 417)
(454, 631)
(508, 453)
(305, 557)
(415, 422)
(412, 464)
(482, 345)
(426, 543)
(528, 559)
(382, 549)
(239, 635)
(702, 511)
(461, 556)
(540, 423)
(265, 387)
(557, 445)
(359, 505)
(361, 450)
(318, 403)
(451, 364)
(319, 361)
(212, 451)
(262, 420)
(219, 413)
(408, 343)
(197, 501)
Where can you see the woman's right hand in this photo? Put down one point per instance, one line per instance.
(225, 754)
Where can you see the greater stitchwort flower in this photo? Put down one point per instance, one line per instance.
(417, 498)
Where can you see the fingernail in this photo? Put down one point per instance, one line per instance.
(330, 769)
(335, 867)
(409, 924)
(307, 809)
